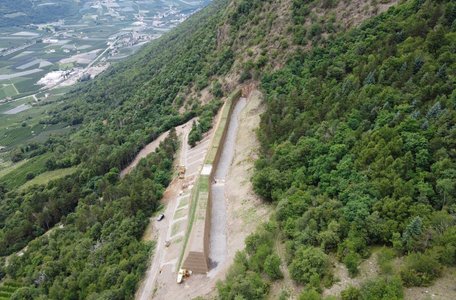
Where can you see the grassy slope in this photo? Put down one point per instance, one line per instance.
(46, 177)
(18, 176)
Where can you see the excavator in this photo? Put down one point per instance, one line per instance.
(182, 274)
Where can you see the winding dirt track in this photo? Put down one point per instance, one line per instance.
(152, 146)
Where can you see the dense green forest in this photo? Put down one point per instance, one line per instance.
(97, 252)
(358, 150)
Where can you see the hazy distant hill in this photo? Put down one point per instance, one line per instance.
(21, 12)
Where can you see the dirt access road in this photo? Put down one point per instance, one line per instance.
(152, 146)
(163, 265)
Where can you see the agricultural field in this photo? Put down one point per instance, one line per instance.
(7, 289)
(20, 175)
(8, 90)
(19, 122)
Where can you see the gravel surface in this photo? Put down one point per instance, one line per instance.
(218, 250)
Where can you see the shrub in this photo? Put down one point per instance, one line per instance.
(420, 270)
(354, 243)
(328, 3)
(257, 260)
(24, 293)
(194, 136)
(244, 286)
(446, 244)
(255, 240)
(382, 288)
(284, 295)
(205, 121)
(351, 293)
(315, 30)
(310, 294)
(245, 75)
(310, 263)
(351, 261)
(384, 258)
(272, 267)
(217, 89)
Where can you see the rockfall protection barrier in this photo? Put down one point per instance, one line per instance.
(196, 243)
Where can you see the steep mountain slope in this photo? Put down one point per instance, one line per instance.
(358, 150)
(102, 219)
(114, 117)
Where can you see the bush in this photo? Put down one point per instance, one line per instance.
(443, 254)
(310, 294)
(194, 135)
(217, 89)
(257, 260)
(243, 286)
(446, 247)
(351, 293)
(420, 270)
(272, 267)
(207, 114)
(384, 259)
(351, 261)
(310, 264)
(284, 295)
(24, 293)
(245, 75)
(354, 243)
(382, 288)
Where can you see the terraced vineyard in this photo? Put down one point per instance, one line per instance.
(7, 289)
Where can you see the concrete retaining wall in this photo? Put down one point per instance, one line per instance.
(196, 250)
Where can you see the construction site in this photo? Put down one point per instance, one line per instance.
(195, 240)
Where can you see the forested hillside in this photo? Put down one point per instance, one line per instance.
(358, 145)
(93, 222)
(357, 152)
(117, 114)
